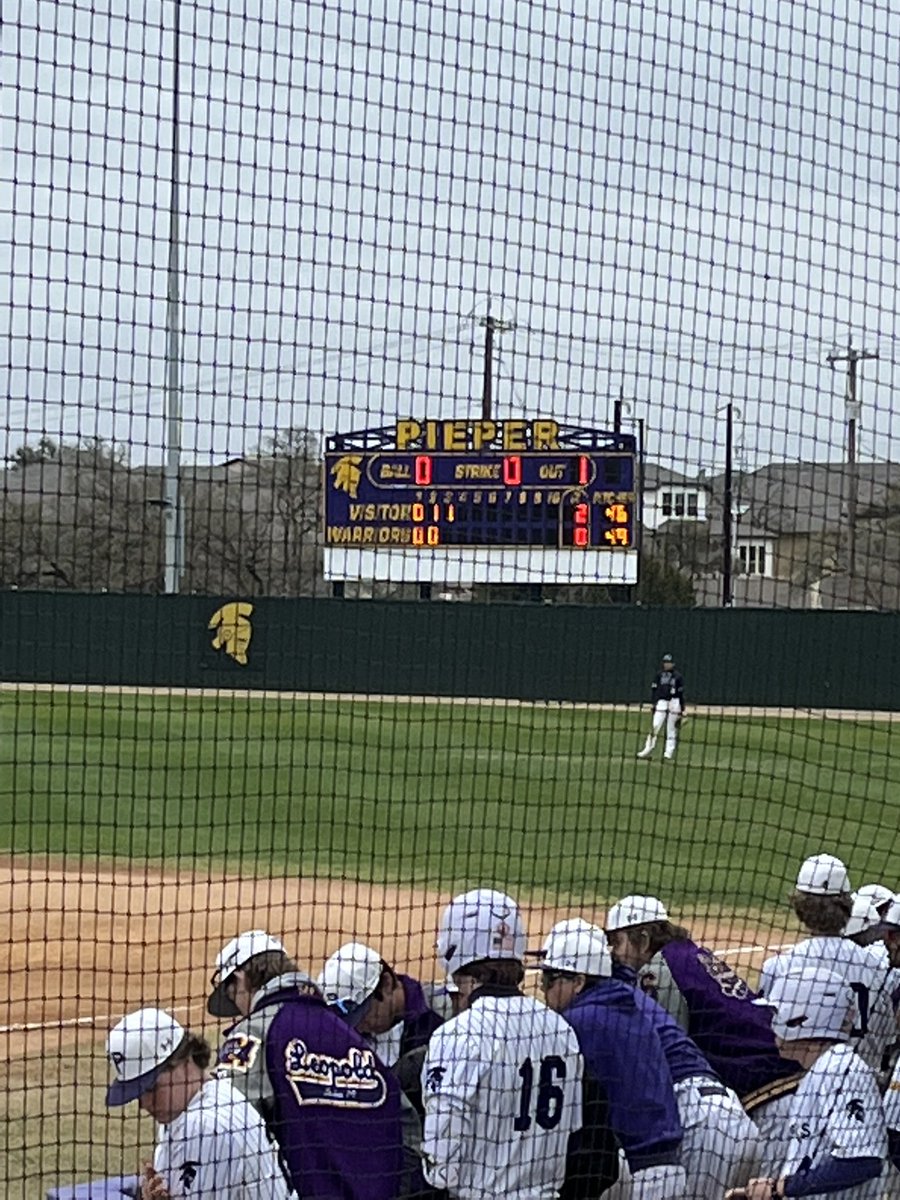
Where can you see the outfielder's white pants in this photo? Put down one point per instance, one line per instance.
(721, 1148)
(665, 713)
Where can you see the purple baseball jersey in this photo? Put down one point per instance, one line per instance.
(716, 1006)
(337, 1108)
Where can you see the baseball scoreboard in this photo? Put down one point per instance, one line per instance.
(456, 502)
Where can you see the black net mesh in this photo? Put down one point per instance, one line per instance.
(388, 389)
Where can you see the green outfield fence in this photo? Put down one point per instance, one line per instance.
(386, 386)
(764, 658)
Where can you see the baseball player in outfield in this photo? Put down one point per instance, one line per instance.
(333, 1107)
(621, 1031)
(838, 1138)
(667, 698)
(502, 1081)
(703, 994)
(213, 1144)
(823, 901)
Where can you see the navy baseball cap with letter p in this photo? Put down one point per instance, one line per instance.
(139, 1049)
(480, 924)
(231, 958)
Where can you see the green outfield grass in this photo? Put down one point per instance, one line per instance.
(544, 799)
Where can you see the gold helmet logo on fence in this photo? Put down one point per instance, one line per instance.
(233, 629)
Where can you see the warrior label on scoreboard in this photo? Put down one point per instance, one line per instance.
(479, 502)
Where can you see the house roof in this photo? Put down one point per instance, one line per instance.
(656, 476)
(808, 498)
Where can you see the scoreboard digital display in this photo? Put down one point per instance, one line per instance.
(464, 501)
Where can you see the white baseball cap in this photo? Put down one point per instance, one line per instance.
(479, 924)
(889, 921)
(877, 893)
(139, 1049)
(578, 946)
(230, 959)
(349, 979)
(823, 875)
(863, 915)
(635, 910)
(810, 1003)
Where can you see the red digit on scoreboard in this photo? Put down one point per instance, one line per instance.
(581, 534)
(512, 470)
(584, 469)
(423, 470)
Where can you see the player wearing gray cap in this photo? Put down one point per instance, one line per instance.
(502, 1081)
(837, 1135)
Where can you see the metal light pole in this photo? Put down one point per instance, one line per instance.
(173, 516)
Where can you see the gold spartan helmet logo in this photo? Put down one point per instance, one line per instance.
(233, 629)
(347, 474)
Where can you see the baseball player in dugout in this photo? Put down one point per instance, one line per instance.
(502, 1081)
(823, 901)
(213, 1145)
(331, 1105)
(719, 1141)
(392, 1015)
(837, 1133)
(667, 698)
(705, 996)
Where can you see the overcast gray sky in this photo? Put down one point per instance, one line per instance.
(692, 201)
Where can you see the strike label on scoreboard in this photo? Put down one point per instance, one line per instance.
(481, 501)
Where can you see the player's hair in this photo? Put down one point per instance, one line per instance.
(193, 1047)
(496, 972)
(386, 969)
(262, 968)
(659, 934)
(822, 914)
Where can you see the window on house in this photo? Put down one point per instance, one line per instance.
(753, 558)
(680, 504)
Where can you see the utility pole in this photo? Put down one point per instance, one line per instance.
(852, 358)
(491, 325)
(173, 518)
(728, 509)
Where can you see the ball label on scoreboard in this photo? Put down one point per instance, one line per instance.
(481, 494)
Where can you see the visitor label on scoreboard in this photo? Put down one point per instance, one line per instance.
(441, 484)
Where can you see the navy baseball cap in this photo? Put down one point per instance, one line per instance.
(668, 658)
(140, 1049)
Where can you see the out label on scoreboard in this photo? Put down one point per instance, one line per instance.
(458, 502)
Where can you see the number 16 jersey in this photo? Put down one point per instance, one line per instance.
(502, 1091)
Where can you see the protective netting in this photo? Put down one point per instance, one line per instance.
(447, 448)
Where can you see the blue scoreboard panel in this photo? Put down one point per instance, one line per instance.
(481, 501)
